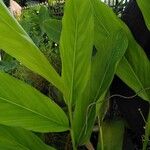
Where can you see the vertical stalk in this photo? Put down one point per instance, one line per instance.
(101, 145)
(147, 132)
(71, 130)
(101, 138)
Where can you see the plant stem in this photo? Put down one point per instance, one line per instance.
(101, 138)
(100, 135)
(71, 130)
(147, 132)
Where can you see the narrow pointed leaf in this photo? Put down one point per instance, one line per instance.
(111, 43)
(12, 138)
(23, 106)
(104, 61)
(134, 69)
(135, 57)
(76, 51)
(145, 8)
(127, 73)
(104, 65)
(14, 41)
(76, 47)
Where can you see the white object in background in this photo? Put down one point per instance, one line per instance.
(15, 8)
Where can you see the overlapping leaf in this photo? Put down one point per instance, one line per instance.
(17, 43)
(23, 106)
(110, 46)
(111, 43)
(134, 68)
(76, 49)
(12, 138)
(145, 8)
(105, 63)
(139, 79)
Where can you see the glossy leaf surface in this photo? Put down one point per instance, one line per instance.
(12, 138)
(138, 77)
(76, 51)
(76, 47)
(23, 106)
(110, 46)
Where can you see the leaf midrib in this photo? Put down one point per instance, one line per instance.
(99, 19)
(74, 58)
(27, 109)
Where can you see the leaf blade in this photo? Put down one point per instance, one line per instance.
(28, 108)
(75, 47)
(76, 51)
(20, 139)
(144, 6)
(15, 41)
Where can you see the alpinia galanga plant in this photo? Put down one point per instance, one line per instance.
(85, 77)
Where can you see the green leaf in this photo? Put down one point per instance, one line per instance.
(52, 28)
(134, 69)
(12, 138)
(105, 59)
(111, 136)
(103, 19)
(76, 48)
(145, 8)
(76, 51)
(128, 74)
(139, 72)
(111, 43)
(104, 65)
(23, 106)
(14, 41)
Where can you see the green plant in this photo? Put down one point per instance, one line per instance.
(84, 80)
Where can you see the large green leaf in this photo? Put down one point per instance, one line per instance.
(12, 138)
(14, 41)
(110, 47)
(106, 60)
(76, 47)
(111, 43)
(145, 8)
(103, 19)
(76, 50)
(23, 106)
(134, 68)
(111, 136)
(104, 65)
(138, 77)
